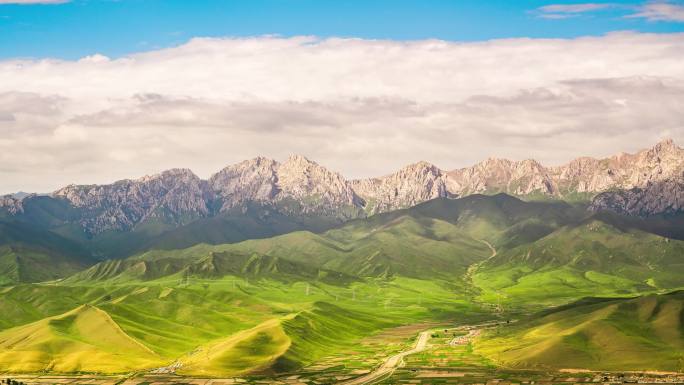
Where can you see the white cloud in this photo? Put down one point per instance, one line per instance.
(362, 107)
(565, 11)
(574, 8)
(660, 11)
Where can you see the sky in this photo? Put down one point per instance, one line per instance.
(94, 91)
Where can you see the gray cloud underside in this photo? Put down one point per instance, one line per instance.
(360, 107)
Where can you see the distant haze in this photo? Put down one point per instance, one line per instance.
(360, 107)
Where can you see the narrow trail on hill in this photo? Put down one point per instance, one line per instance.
(472, 269)
(393, 362)
(492, 248)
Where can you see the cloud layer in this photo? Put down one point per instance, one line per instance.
(362, 107)
(654, 11)
(661, 11)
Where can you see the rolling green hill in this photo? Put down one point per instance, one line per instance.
(436, 233)
(59, 218)
(29, 254)
(285, 325)
(619, 334)
(405, 246)
(84, 339)
(438, 239)
(275, 304)
(284, 344)
(591, 258)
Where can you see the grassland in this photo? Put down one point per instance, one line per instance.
(299, 301)
(589, 259)
(85, 338)
(208, 323)
(643, 333)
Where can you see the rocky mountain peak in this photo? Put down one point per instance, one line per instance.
(496, 175)
(11, 204)
(666, 146)
(407, 187)
(421, 167)
(250, 180)
(648, 181)
(316, 187)
(171, 175)
(173, 196)
(297, 159)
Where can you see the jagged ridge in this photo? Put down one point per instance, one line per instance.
(646, 183)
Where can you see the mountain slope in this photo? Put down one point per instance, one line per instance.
(284, 344)
(407, 247)
(29, 254)
(589, 258)
(623, 334)
(129, 215)
(437, 239)
(84, 339)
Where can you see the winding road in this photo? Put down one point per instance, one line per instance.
(393, 362)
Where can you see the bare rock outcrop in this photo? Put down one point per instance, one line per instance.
(11, 204)
(175, 196)
(408, 187)
(648, 182)
(502, 176)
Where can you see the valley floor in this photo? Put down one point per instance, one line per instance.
(437, 356)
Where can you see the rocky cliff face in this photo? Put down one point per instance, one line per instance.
(315, 189)
(582, 175)
(253, 180)
(175, 197)
(501, 175)
(11, 204)
(646, 183)
(298, 186)
(624, 171)
(409, 186)
(666, 197)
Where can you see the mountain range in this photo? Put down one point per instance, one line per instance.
(645, 183)
(79, 225)
(267, 268)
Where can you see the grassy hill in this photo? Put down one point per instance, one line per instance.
(178, 318)
(406, 246)
(59, 218)
(30, 254)
(603, 334)
(84, 339)
(276, 304)
(283, 344)
(591, 258)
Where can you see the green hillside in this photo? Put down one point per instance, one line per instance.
(284, 344)
(84, 339)
(624, 334)
(175, 315)
(405, 246)
(437, 233)
(591, 258)
(277, 304)
(29, 254)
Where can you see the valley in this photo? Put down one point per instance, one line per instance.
(482, 288)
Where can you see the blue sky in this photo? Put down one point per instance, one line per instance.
(220, 81)
(78, 28)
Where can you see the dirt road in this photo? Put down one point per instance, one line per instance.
(391, 363)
